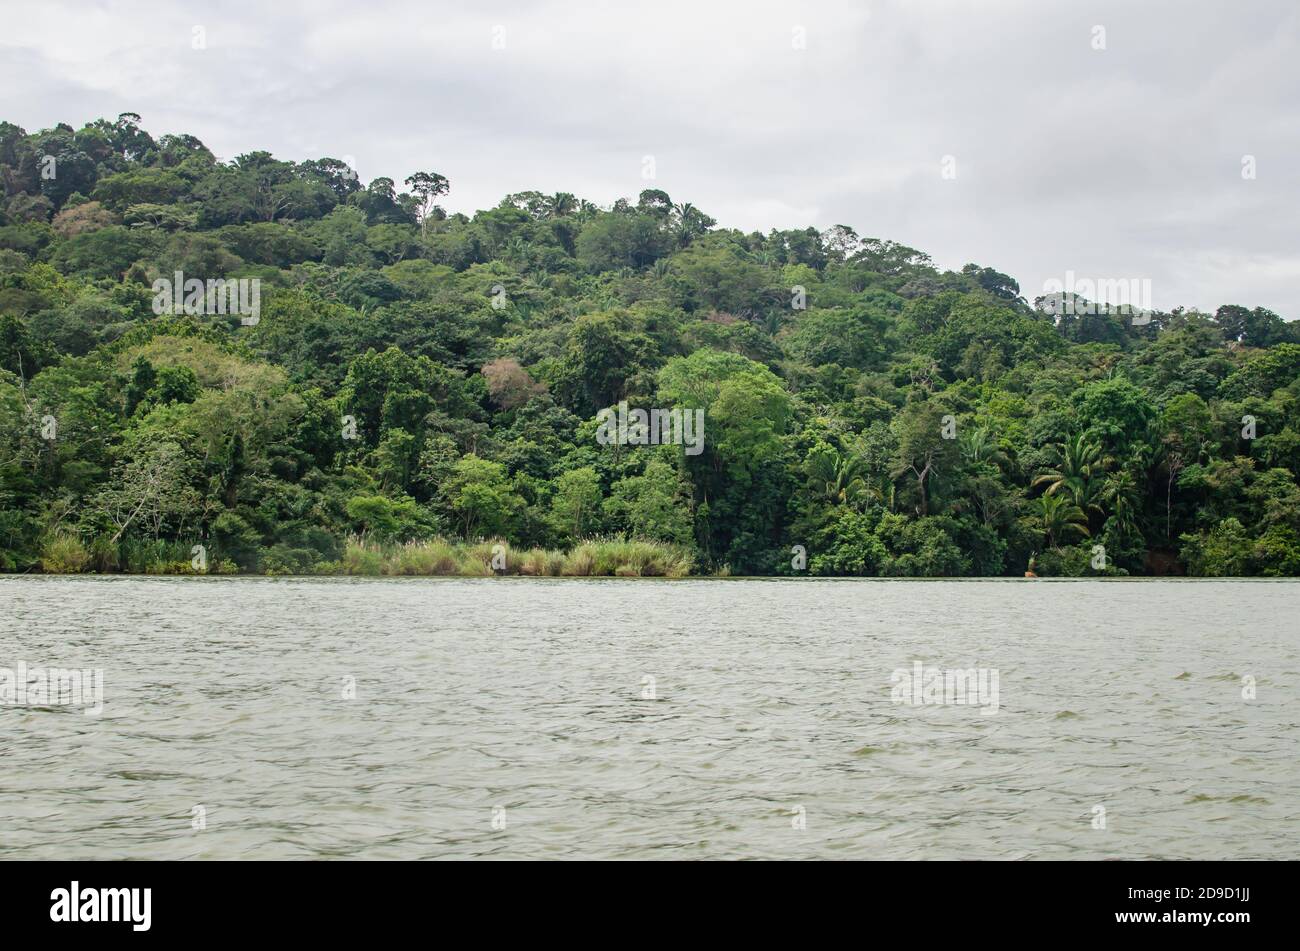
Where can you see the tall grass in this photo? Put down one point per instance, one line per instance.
(603, 557)
(64, 554)
(145, 556)
(629, 558)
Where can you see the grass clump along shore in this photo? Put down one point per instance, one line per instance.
(603, 557)
(436, 557)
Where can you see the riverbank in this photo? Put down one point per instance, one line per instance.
(436, 557)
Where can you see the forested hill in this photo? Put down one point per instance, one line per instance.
(388, 373)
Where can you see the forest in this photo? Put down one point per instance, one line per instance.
(400, 390)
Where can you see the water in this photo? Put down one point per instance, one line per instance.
(525, 704)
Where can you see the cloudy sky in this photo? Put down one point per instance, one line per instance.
(1124, 161)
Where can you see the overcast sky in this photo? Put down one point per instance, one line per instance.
(1122, 162)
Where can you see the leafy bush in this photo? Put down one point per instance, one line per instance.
(64, 554)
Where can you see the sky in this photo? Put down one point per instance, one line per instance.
(1154, 141)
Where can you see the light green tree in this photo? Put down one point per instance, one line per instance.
(575, 506)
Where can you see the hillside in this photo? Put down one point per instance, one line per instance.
(383, 373)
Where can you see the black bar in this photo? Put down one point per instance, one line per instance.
(941, 902)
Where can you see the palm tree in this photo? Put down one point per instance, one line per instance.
(979, 446)
(839, 478)
(561, 204)
(515, 250)
(689, 223)
(1080, 459)
(983, 489)
(772, 322)
(1121, 495)
(1055, 517)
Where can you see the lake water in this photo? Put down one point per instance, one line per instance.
(518, 718)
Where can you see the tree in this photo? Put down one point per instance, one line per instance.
(1120, 493)
(561, 205)
(383, 518)
(746, 408)
(849, 338)
(923, 451)
(393, 390)
(614, 241)
(604, 353)
(836, 479)
(718, 278)
(479, 494)
(20, 354)
(152, 487)
(655, 203)
(78, 219)
(427, 186)
(995, 282)
(1188, 426)
(1116, 413)
(652, 505)
(338, 176)
(509, 384)
(1223, 553)
(984, 465)
(1055, 517)
(1255, 328)
(576, 502)
(1079, 459)
(381, 204)
(689, 223)
(1264, 373)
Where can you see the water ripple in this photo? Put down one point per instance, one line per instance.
(509, 718)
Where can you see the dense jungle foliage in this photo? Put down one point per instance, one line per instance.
(417, 379)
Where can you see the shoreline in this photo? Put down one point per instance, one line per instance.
(254, 576)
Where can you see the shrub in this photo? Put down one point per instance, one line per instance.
(434, 557)
(580, 562)
(360, 559)
(283, 560)
(64, 554)
(438, 557)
